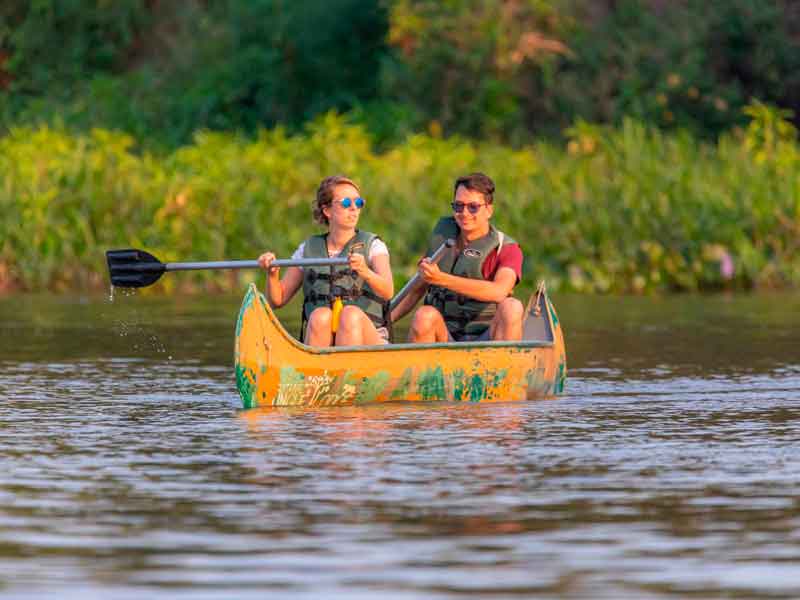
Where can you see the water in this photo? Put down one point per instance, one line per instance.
(668, 470)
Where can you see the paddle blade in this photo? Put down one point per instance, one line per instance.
(133, 268)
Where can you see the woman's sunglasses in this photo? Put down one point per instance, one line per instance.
(348, 202)
(473, 207)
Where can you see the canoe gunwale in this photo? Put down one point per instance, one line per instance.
(432, 346)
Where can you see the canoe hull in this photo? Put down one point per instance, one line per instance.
(273, 369)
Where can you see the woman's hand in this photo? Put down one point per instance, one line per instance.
(265, 262)
(359, 264)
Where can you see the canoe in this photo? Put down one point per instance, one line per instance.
(275, 369)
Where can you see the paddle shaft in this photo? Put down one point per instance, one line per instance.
(412, 283)
(235, 264)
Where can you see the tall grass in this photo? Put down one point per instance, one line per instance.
(629, 209)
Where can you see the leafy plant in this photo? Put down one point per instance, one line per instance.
(625, 209)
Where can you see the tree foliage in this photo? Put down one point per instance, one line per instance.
(498, 69)
(162, 69)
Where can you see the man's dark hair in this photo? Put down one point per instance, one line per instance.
(477, 182)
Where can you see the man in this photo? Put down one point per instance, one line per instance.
(468, 293)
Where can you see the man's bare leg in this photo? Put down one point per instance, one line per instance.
(507, 321)
(427, 327)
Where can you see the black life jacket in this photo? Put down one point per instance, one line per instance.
(321, 285)
(463, 315)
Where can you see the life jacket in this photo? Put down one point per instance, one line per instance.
(463, 315)
(321, 285)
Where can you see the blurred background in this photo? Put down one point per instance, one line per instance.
(638, 146)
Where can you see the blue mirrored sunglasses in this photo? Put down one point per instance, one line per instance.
(358, 202)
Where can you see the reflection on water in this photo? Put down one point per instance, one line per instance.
(667, 471)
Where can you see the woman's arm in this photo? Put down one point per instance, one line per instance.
(379, 279)
(383, 284)
(280, 291)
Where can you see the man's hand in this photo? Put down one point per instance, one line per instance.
(429, 272)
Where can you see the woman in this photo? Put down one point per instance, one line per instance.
(364, 287)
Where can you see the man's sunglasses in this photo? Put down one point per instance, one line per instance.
(348, 202)
(473, 207)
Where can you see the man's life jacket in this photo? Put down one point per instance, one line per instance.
(463, 315)
(321, 285)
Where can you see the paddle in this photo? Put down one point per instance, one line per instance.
(137, 268)
(414, 281)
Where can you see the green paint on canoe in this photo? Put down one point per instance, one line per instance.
(400, 391)
(430, 384)
(477, 388)
(370, 387)
(534, 378)
(349, 378)
(561, 378)
(290, 376)
(459, 379)
(553, 315)
(491, 380)
(247, 302)
(244, 383)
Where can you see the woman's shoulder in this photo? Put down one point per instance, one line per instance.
(378, 248)
(299, 251)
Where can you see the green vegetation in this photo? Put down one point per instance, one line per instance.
(200, 130)
(162, 70)
(628, 209)
(504, 70)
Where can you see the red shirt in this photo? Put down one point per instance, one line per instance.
(510, 256)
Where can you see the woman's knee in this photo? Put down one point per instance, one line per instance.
(320, 317)
(351, 317)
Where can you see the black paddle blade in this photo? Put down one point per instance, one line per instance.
(133, 268)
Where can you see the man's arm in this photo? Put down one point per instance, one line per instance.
(484, 291)
(410, 300)
(411, 295)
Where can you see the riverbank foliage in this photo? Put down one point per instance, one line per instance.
(626, 209)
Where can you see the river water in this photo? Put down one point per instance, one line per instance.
(669, 469)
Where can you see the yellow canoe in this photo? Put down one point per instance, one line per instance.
(274, 369)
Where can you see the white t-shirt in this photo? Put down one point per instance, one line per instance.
(378, 248)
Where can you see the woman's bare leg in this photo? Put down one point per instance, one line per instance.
(318, 328)
(356, 328)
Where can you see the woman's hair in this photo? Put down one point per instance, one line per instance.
(325, 196)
